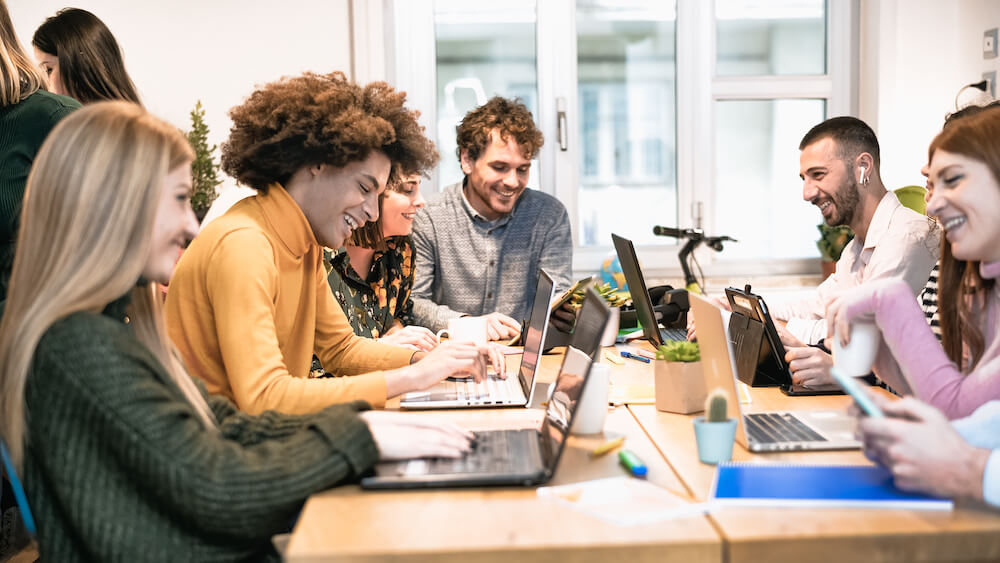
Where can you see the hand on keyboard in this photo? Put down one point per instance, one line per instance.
(449, 359)
(404, 436)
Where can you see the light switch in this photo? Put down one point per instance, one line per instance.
(990, 44)
(991, 77)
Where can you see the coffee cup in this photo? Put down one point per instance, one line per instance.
(856, 358)
(592, 408)
(466, 329)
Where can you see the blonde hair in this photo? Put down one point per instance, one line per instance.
(19, 78)
(84, 239)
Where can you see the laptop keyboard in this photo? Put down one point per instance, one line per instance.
(490, 390)
(675, 334)
(772, 428)
(502, 451)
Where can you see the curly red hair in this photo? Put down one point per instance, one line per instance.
(510, 117)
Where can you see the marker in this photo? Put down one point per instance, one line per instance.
(632, 462)
(635, 357)
(641, 352)
(607, 447)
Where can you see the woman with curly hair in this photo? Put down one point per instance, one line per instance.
(124, 456)
(82, 59)
(249, 303)
(372, 276)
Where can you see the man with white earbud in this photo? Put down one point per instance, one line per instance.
(839, 167)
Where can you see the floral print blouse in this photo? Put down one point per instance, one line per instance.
(373, 305)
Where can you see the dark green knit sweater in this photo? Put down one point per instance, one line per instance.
(23, 128)
(119, 468)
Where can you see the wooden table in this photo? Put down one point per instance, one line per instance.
(970, 533)
(513, 524)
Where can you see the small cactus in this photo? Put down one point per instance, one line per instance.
(715, 406)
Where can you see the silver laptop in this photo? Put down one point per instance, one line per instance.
(513, 457)
(517, 390)
(763, 431)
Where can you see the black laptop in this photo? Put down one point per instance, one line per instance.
(651, 330)
(513, 457)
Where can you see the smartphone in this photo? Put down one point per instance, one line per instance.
(580, 285)
(851, 386)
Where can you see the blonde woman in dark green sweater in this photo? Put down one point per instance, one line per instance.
(124, 457)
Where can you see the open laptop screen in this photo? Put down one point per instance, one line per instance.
(537, 327)
(573, 374)
(637, 288)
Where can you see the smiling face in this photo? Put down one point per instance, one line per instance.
(336, 201)
(173, 227)
(966, 201)
(497, 178)
(50, 66)
(827, 182)
(399, 207)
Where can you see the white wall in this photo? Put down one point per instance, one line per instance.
(181, 51)
(915, 56)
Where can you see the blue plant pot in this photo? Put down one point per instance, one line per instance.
(715, 440)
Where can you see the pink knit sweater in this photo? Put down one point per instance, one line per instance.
(912, 360)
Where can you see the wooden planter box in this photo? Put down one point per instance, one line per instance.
(680, 387)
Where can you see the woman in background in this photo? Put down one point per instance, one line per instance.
(82, 59)
(124, 457)
(27, 113)
(373, 275)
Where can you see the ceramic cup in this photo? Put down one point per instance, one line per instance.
(592, 408)
(856, 359)
(715, 440)
(466, 329)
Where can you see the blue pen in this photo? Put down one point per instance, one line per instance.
(632, 462)
(635, 357)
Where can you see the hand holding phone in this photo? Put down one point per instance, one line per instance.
(851, 386)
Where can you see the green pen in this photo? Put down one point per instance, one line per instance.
(632, 462)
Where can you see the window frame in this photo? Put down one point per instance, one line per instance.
(411, 47)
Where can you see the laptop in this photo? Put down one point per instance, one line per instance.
(512, 457)
(517, 390)
(771, 359)
(651, 330)
(763, 431)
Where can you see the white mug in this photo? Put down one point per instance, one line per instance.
(856, 359)
(466, 329)
(592, 408)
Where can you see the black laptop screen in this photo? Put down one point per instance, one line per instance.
(535, 335)
(637, 288)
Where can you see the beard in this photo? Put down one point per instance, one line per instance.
(845, 201)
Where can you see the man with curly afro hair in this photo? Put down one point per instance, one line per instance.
(249, 302)
(481, 243)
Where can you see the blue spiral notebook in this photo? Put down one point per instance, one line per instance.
(815, 486)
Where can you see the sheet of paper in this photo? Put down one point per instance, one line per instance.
(623, 501)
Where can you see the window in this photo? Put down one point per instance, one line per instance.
(655, 112)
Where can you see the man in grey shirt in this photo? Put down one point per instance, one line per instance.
(480, 243)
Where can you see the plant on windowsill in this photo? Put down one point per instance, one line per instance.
(204, 168)
(678, 382)
(831, 243)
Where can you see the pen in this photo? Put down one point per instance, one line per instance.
(634, 357)
(632, 462)
(607, 446)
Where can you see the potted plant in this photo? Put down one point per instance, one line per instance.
(831, 243)
(615, 299)
(678, 381)
(715, 431)
(204, 168)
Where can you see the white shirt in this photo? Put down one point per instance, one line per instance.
(982, 430)
(901, 243)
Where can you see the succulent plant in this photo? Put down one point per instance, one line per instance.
(678, 351)
(609, 292)
(715, 406)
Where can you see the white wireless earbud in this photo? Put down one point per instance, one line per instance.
(861, 175)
